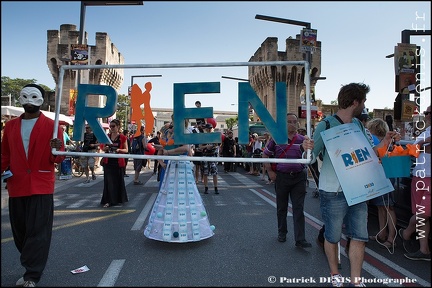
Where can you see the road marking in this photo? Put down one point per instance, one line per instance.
(143, 215)
(378, 266)
(112, 273)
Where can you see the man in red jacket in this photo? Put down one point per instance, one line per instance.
(26, 149)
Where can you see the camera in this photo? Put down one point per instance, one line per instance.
(112, 149)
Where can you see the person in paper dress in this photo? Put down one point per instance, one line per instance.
(178, 214)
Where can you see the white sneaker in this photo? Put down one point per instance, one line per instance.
(20, 282)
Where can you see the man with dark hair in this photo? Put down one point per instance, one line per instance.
(138, 147)
(90, 145)
(26, 149)
(334, 207)
(228, 150)
(290, 182)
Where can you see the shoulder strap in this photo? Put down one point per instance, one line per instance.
(289, 146)
(338, 118)
(327, 124)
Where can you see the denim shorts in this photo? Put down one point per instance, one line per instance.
(336, 212)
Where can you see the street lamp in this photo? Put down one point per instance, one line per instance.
(138, 76)
(84, 4)
(233, 78)
(307, 25)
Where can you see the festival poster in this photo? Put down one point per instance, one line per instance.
(407, 83)
(79, 54)
(357, 167)
(308, 41)
(405, 58)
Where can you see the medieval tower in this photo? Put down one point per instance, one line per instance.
(104, 52)
(263, 78)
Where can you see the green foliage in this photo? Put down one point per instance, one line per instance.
(14, 86)
(123, 108)
(231, 122)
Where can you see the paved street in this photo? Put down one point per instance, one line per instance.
(243, 252)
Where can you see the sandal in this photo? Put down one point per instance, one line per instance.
(106, 205)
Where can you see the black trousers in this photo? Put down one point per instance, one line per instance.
(294, 187)
(228, 165)
(31, 221)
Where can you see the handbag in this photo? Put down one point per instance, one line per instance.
(102, 163)
(274, 165)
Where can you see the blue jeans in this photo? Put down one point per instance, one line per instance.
(335, 212)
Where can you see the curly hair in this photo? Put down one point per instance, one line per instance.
(351, 92)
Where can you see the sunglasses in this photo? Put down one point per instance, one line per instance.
(112, 126)
(426, 113)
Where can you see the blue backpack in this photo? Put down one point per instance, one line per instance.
(137, 147)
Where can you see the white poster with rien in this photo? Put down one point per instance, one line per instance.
(357, 167)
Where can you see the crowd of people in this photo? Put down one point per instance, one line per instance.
(32, 226)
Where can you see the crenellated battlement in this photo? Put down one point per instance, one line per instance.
(104, 52)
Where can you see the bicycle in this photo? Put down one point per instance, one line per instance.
(77, 169)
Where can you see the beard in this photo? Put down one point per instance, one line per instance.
(31, 109)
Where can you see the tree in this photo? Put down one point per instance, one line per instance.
(14, 86)
(334, 102)
(123, 108)
(231, 122)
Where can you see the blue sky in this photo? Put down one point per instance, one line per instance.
(355, 37)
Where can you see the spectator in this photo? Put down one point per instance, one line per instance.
(90, 144)
(266, 139)
(256, 153)
(156, 168)
(138, 148)
(386, 235)
(290, 182)
(114, 191)
(239, 153)
(228, 148)
(66, 139)
(209, 168)
(364, 118)
(334, 207)
(128, 137)
(197, 152)
(26, 149)
(420, 198)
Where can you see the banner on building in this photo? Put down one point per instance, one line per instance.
(308, 40)
(79, 54)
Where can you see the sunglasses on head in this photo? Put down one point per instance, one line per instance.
(426, 113)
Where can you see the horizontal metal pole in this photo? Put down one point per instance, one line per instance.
(183, 157)
(182, 65)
